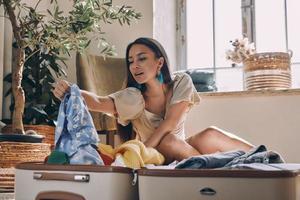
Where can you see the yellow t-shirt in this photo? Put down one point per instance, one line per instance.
(130, 106)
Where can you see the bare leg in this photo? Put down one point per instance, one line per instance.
(213, 140)
(174, 148)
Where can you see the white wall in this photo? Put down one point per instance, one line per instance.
(121, 36)
(165, 28)
(273, 120)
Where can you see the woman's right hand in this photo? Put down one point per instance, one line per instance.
(60, 88)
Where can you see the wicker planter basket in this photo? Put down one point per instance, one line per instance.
(269, 70)
(45, 130)
(12, 153)
(7, 179)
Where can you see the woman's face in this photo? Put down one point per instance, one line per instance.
(143, 64)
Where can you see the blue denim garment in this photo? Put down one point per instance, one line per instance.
(258, 154)
(75, 133)
(209, 161)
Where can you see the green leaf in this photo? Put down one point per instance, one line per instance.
(121, 9)
(49, 12)
(87, 44)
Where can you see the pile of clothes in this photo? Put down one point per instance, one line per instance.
(231, 159)
(77, 141)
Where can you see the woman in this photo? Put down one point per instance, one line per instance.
(156, 105)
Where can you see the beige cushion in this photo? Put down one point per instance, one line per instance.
(102, 77)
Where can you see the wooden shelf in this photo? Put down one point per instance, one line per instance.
(285, 92)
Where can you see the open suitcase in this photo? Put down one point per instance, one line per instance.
(214, 184)
(36, 181)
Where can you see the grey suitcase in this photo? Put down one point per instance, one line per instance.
(214, 184)
(36, 181)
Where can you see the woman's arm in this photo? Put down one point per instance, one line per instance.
(173, 116)
(98, 103)
(93, 101)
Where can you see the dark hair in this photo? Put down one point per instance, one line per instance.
(126, 132)
(158, 51)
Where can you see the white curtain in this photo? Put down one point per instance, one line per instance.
(5, 63)
(1, 58)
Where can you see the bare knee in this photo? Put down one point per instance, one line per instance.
(167, 142)
(207, 141)
(174, 148)
(167, 148)
(210, 133)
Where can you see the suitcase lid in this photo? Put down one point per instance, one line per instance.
(245, 173)
(89, 168)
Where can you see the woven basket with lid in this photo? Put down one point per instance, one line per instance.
(270, 70)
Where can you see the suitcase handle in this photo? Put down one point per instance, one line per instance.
(61, 177)
(58, 195)
(208, 191)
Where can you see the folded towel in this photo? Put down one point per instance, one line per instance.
(133, 153)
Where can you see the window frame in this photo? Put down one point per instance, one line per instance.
(248, 30)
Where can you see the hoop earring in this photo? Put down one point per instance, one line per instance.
(160, 78)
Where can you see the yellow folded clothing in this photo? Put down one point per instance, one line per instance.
(134, 154)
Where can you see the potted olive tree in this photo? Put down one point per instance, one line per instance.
(41, 39)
